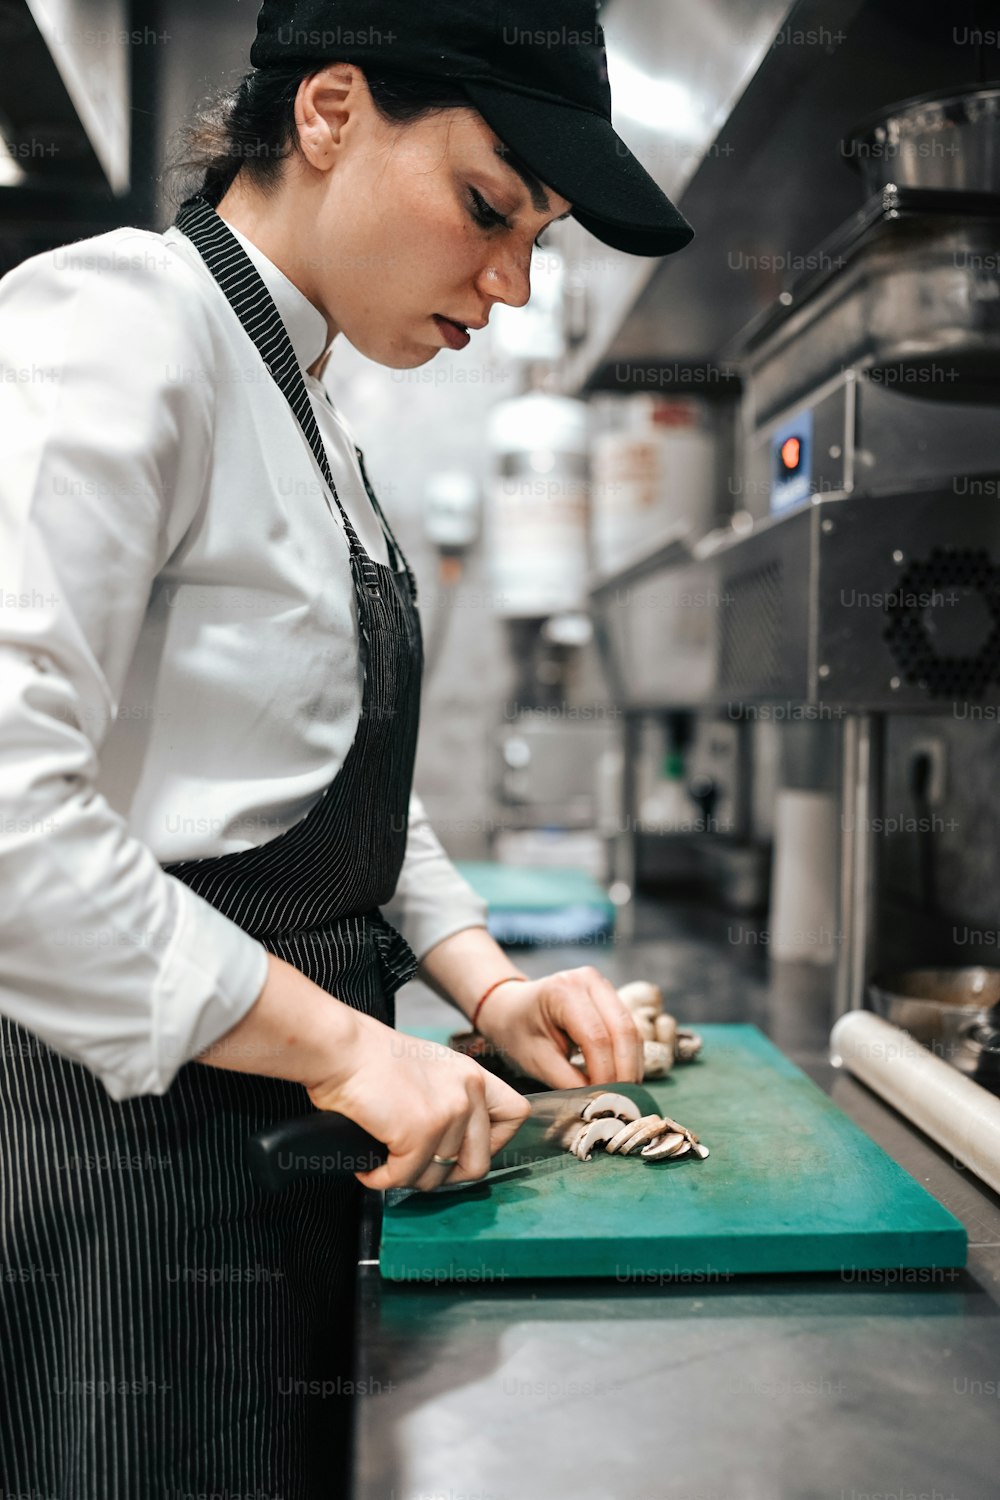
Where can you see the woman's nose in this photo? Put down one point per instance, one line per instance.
(507, 277)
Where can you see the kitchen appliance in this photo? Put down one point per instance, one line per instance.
(903, 300)
(869, 579)
(941, 141)
(803, 908)
(545, 764)
(791, 1184)
(536, 519)
(652, 474)
(325, 1142)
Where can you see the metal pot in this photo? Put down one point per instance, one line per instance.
(949, 142)
(950, 1012)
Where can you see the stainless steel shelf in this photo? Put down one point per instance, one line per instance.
(773, 181)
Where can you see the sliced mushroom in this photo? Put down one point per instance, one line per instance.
(656, 1137)
(597, 1133)
(676, 1125)
(632, 1128)
(610, 1104)
(671, 1144)
(649, 1128)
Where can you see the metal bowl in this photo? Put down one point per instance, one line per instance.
(949, 142)
(932, 1004)
(947, 1010)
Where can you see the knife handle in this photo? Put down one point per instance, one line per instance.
(314, 1145)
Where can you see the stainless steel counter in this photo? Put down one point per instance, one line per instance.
(880, 1384)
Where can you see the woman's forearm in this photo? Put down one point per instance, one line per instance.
(461, 967)
(425, 1103)
(294, 1030)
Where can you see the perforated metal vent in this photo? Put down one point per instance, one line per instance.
(943, 626)
(751, 630)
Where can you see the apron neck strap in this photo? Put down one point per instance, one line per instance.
(253, 304)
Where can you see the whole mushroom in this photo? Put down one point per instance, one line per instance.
(664, 1042)
(658, 1059)
(641, 995)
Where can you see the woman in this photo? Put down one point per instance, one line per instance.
(210, 693)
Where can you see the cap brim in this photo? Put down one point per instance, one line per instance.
(580, 155)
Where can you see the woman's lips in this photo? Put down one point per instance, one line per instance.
(455, 336)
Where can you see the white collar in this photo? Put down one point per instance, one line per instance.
(305, 323)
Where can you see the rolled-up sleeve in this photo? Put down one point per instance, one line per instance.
(432, 900)
(103, 955)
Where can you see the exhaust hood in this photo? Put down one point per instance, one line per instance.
(741, 110)
(64, 92)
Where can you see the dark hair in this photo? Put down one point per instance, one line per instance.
(252, 128)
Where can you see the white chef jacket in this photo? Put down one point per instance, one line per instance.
(179, 668)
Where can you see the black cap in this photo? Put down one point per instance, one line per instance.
(537, 72)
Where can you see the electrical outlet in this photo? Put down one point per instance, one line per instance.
(715, 754)
(936, 752)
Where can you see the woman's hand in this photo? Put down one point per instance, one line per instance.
(539, 1023)
(422, 1100)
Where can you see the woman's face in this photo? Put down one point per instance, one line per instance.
(389, 228)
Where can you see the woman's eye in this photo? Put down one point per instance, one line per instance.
(484, 213)
(487, 217)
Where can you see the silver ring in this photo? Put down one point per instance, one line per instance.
(445, 1161)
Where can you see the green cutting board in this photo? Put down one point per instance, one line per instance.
(791, 1185)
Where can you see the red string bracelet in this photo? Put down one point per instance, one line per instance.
(521, 978)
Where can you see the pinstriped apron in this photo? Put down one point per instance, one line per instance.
(167, 1329)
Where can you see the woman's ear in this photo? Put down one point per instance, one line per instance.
(324, 104)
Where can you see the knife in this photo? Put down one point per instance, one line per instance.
(325, 1142)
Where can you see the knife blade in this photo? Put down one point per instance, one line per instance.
(326, 1143)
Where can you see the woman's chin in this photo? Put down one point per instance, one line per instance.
(396, 353)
